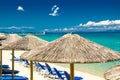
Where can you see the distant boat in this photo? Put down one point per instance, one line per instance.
(40, 33)
(43, 33)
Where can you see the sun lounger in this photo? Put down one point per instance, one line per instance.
(59, 76)
(40, 67)
(9, 72)
(5, 66)
(17, 59)
(15, 78)
(51, 71)
(67, 75)
(36, 66)
(26, 63)
(43, 67)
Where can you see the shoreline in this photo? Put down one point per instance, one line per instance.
(78, 73)
(81, 69)
(25, 71)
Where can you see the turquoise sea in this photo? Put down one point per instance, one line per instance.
(110, 40)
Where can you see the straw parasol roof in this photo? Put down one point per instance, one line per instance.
(113, 73)
(33, 51)
(27, 43)
(2, 36)
(10, 38)
(71, 48)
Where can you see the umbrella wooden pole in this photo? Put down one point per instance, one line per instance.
(12, 64)
(0, 62)
(71, 71)
(31, 70)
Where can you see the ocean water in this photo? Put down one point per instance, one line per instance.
(110, 40)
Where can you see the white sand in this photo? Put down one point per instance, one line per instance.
(25, 71)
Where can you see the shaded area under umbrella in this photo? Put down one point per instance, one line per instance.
(72, 48)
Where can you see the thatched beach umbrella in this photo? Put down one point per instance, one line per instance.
(71, 48)
(31, 52)
(2, 36)
(9, 39)
(29, 42)
(113, 73)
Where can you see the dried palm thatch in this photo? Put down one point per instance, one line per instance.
(2, 36)
(71, 48)
(9, 39)
(113, 73)
(27, 43)
(33, 51)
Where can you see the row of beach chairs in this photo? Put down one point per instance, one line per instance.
(7, 71)
(49, 72)
(7, 74)
(53, 73)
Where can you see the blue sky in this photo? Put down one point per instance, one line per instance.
(59, 15)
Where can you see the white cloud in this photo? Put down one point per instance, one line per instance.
(14, 27)
(55, 6)
(65, 29)
(20, 8)
(54, 10)
(60, 30)
(22, 27)
(91, 26)
(101, 23)
(68, 29)
(17, 28)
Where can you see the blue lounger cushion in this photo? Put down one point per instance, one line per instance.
(75, 78)
(41, 66)
(52, 71)
(17, 59)
(9, 71)
(26, 62)
(60, 76)
(15, 78)
(5, 66)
